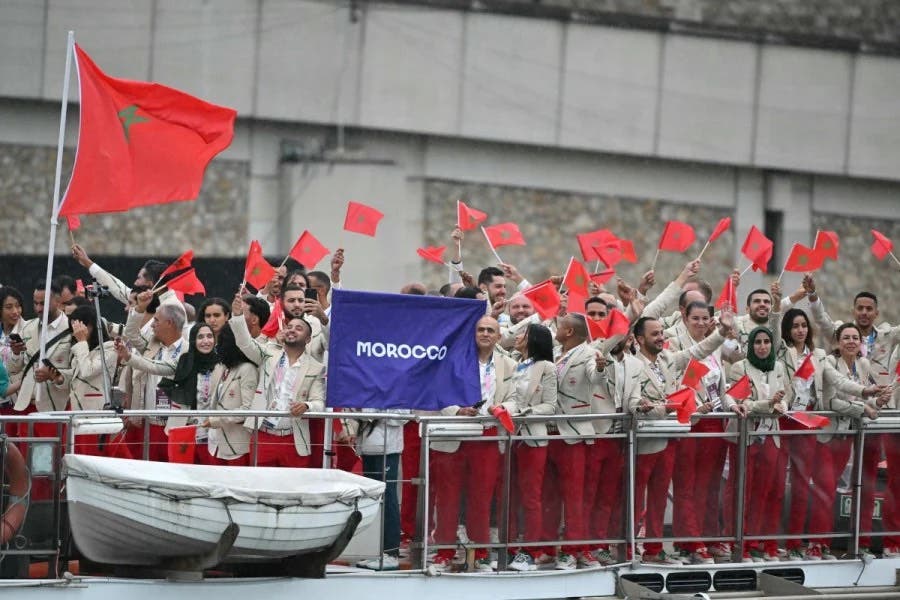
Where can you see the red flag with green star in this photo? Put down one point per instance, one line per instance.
(140, 143)
(577, 278)
(803, 259)
(504, 234)
(827, 244)
(588, 242)
(308, 251)
(257, 270)
(758, 249)
(741, 389)
(694, 373)
(676, 237)
(362, 219)
(467, 217)
(545, 299)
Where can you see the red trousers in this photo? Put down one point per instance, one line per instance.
(409, 465)
(891, 509)
(804, 456)
(762, 462)
(831, 458)
(603, 484)
(696, 483)
(562, 493)
(871, 458)
(471, 470)
(279, 451)
(528, 465)
(651, 484)
(159, 443)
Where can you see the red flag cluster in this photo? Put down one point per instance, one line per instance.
(615, 323)
(184, 278)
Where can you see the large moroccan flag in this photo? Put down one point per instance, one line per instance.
(140, 143)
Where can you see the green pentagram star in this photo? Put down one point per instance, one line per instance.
(128, 116)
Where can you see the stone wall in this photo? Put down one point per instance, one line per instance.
(871, 20)
(213, 225)
(549, 221)
(857, 269)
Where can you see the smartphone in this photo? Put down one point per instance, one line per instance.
(311, 293)
(16, 338)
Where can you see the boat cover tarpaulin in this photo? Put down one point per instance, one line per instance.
(266, 485)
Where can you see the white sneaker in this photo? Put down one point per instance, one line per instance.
(827, 554)
(701, 556)
(566, 562)
(522, 561)
(387, 562)
(891, 552)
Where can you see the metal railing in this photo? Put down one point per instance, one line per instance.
(740, 434)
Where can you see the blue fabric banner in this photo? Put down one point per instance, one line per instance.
(402, 351)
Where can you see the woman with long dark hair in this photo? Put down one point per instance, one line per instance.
(86, 389)
(534, 382)
(232, 387)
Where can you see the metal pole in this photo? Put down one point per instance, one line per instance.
(631, 448)
(505, 512)
(423, 515)
(856, 497)
(740, 482)
(54, 210)
(383, 496)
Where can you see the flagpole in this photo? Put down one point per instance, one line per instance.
(566, 274)
(655, 257)
(896, 260)
(597, 266)
(750, 266)
(704, 249)
(54, 212)
(491, 246)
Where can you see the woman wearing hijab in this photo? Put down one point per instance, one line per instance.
(769, 384)
(86, 389)
(534, 384)
(833, 445)
(189, 387)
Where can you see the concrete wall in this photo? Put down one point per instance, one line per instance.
(484, 77)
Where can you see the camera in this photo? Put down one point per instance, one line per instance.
(95, 290)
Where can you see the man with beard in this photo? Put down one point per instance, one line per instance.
(289, 380)
(521, 314)
(760, 313)
(655, 462)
